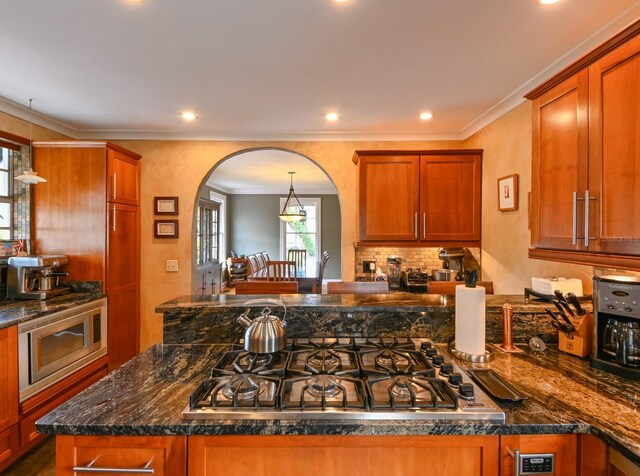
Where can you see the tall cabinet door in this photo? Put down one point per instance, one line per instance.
(124, 186)
(8, 377)
(122, 283)
(388, 198)
(450, 197)
(560, 165)
(614, 138)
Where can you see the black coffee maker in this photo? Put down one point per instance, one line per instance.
(616, 339)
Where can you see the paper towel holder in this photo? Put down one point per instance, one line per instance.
(474, 358)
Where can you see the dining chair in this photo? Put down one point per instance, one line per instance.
(261, 261)
(281, 271)
(266, 287)
(253, 264)
(299, 256)
(316, 286)
(358, 287)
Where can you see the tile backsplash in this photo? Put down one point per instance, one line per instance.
(424, 258)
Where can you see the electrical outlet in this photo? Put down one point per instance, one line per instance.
(172, 265)
(366, 266)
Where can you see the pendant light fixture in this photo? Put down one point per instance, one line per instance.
(29, 176)
(285, 214)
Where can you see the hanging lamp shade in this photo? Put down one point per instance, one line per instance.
(29, 176)
(298, 213)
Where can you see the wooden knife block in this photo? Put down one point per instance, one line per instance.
(580, 345)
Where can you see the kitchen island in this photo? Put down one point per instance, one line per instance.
(145, 398)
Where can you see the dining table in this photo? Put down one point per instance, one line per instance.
(306, 277)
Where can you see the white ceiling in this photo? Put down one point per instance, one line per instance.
(267, 172)
(271, 69)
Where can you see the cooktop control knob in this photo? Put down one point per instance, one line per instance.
(438, 360)
(466, 390)
(431, 352)
(426, 345)
(446, 369)
(455, 378)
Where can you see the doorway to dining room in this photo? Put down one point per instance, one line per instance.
(246, 192)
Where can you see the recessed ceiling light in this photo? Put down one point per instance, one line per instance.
(134, 1)
(188, 116)
(341, 1)
(332, 116)
(425, 116)
(547, 2)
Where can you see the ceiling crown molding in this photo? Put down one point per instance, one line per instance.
(22, 112)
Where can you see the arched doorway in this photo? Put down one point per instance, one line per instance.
(237, 207)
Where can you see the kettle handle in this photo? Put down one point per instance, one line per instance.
(275, 302)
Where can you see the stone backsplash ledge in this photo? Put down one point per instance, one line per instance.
(214, 320)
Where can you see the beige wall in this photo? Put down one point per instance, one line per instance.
(505, 235)
(178, 168)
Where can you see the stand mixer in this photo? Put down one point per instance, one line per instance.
(452, 259)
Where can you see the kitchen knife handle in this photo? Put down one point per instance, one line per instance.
(415, 225)
(574, 228)
(424, 226)
(587, 199)
(573, 299)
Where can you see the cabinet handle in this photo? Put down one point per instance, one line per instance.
(587, 199)
(113, 227)
(515, 454)
(90, 468)
(415, 225)
(115, 184)
(574, 227)
(424, 226)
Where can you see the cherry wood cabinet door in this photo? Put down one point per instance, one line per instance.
(123, 278)
(165, 455)
(343, 455)
(614, 149)
(450, 197)
(388, 198)
(560, 165)
(124, 178)
(8, 377)
(565, 448)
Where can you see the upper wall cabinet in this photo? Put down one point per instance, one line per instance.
(586, 159)
(419, 198)
(124, 178)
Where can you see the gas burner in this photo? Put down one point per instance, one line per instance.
(403, 343)
(415, 391)
(324, 386)
(253, 363)
(393, 361)
(241, 387)
(323, 361)
(315, 343)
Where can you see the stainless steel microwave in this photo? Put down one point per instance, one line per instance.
(52, 347)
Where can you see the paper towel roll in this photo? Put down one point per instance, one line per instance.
(470, 319)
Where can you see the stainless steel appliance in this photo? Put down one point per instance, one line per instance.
(341, 378)
(54, 346)
(616, 339)
(394, 270)
(35, 277)
(414, 280)
(452, 259)
(266, 333)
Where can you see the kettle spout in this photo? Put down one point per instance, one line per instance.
(244, 319)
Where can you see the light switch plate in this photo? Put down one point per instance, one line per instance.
(172, 265)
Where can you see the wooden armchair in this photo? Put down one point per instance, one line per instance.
(282, 271)
(300, 258)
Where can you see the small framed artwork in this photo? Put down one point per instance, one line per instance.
(165, 228)
(165, 205)
(508, 193)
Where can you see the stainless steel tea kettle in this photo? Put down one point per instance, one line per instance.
(266, 333)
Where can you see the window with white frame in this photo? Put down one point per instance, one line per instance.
(207, 232)
(6, 197)
(302, 235)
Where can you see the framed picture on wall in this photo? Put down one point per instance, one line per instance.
(165, 205)
(165, 228)
(508, 193)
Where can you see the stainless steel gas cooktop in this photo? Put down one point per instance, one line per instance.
(341, 378)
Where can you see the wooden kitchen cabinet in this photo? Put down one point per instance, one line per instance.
(343, 455)
(8, 377)
(564, 447)
(88, 209)
(166, 455)
(585, 176)
(419, 198)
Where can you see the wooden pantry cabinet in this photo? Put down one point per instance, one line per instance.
(585, 169)
(89, 209)
(419, 198)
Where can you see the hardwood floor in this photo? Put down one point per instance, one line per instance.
(40, 461)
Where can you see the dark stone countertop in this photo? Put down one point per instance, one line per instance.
(355, 302)
(147, 395)
(19, 311)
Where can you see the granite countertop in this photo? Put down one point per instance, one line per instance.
(147, 395)
(19, 311)
(371, 302)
